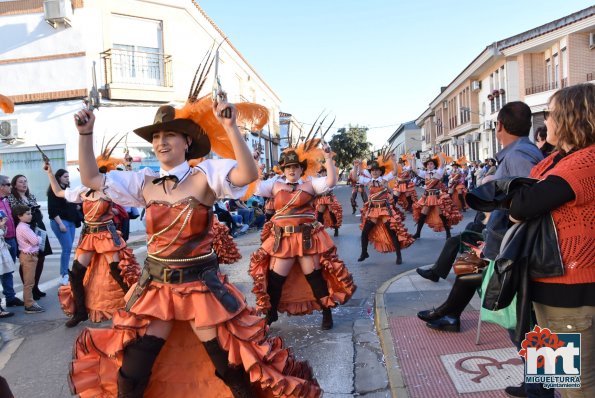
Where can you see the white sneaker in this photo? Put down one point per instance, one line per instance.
(64, 280)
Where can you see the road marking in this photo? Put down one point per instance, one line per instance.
(8, 349)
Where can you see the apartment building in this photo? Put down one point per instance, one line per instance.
(138, 54)
(406, 138)
(527, 67)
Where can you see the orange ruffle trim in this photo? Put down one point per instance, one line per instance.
(103, 295)
(332, 206)
(297, 297)
(402, 198)
(183, 369)
(445, 205)
(379, 236)
(225, 247)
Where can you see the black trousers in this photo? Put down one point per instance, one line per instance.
(449, 253)
(461, 294)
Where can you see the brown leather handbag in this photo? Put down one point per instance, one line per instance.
(468, 263)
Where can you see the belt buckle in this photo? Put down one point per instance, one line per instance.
(289, 229)
(167, 273)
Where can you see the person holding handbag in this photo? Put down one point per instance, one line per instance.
(566, 304)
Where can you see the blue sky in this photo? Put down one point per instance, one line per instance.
(371, 63)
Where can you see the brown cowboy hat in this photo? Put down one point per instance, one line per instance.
(425, 162)
(291, 157)
(373, 164)
(165, 121)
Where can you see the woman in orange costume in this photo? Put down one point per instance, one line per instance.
(382, 222)
(435, 206)
(328, 209)
(185, 331)
(103, 268)
(404, 188)
(456, 186)
(294, 237)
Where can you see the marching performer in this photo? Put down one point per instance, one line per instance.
(456, 186)
(328, 209)
(382, 221)
(296, 270)
(356, 187)
(435, 207)
(104, 267)
(404, 188)
(186, 331)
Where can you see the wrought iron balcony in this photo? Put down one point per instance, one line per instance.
(541, 88)
(136, 67)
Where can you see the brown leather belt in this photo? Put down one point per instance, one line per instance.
(161, 272)
(378, 205)
(304, 229)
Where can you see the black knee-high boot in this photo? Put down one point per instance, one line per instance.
(274, 289)
(320, 290)
(320, 217)
(395, 239)
(410, 203)
(137, 363)
(445, 223)
(77, 275)
(114, 271)
(364, 239)
(420, 225)
(234, 377)
(334, 221)
(463, 204)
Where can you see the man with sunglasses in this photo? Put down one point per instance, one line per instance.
(10, 238)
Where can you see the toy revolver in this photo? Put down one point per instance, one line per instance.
(217, 94)
(92, 100)
(45, 158)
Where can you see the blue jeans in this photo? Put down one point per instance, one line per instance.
(66, 239)
(6, 279)
(247, 215)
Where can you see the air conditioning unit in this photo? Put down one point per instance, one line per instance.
(468, 139)
(592, 40)
(8, 130)
(476, 136)
(57, 12)
(475, 85)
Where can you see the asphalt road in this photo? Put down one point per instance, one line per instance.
(347, 360)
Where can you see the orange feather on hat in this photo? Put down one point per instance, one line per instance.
(6, 104)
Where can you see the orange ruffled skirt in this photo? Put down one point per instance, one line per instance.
(443, 204)
(332, 206)
(103, 295)
(183, 369)
(402, 196)
(297, 297)
(379, 235)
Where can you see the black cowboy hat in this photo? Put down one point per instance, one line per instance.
(455, 164)
(291, 157)
(373, 164)
(165, 121)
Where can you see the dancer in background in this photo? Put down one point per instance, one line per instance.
(354, 175)
(296, 270)
(104, 268)
(328, 209)
(404, 187)
(456, 186)
(382, 221)
(435, 207)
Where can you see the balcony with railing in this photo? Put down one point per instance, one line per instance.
(541, 88)
(137, 74)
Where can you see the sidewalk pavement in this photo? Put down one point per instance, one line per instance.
(422, 362)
